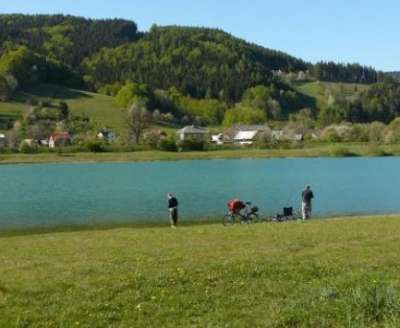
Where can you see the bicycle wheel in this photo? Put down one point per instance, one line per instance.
(228, 219)
(252, 218)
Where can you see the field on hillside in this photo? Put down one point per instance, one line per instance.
(323, 273)
(100, 108)
(322, 90)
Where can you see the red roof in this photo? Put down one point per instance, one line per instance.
(60, 136)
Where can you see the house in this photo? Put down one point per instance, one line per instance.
(245, 137)
(247, 134)
(58, 139)
(107, 135)
(3, 140)
(217, 139)
(192, 133)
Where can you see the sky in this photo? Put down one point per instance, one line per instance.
(362, 31)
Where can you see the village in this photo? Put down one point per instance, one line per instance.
(239, 135)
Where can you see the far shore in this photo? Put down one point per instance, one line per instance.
(335, 150)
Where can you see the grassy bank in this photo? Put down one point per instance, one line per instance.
(337, 150)
(324, 273)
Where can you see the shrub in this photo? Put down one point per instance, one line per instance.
(330, 135)
(96, 146)
(376, 132)
(167, 145)
(191, 144)
(27, 148)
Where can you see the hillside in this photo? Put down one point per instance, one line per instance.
(100, 108)
(200, 62)
(186, 75)
(68, 39)
(197, 61)
(322, 91)
(324, 273)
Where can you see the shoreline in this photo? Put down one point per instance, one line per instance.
(308, 151)
(32, 231)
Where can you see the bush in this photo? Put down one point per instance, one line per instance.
(167, 145)
(376, 132)
(191, 144)
(26, 148)
(331, 135)
(96, 146)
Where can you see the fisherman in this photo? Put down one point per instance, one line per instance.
(306, 208)
(173, 210)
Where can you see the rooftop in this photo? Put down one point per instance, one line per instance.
(193, 129)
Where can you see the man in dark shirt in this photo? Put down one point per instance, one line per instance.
(173, 210)
(306, 196)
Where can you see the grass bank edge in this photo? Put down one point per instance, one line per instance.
(335, 150)
(164, 224)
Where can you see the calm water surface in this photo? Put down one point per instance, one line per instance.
(68, 194)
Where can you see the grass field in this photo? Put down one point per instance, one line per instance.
(323, 273)
(101, 109)
(331, 150)
(322, 90)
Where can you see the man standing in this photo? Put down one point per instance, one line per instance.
(307, 195)
(173, 210)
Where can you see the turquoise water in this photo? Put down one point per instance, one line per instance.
(69, 194)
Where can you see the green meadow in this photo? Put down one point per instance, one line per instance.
(323, 273)
(102, 109)
(321, 91)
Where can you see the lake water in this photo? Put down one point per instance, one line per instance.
(69, 194)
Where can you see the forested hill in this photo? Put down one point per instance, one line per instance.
(200, 62)
(68, 39)
(102, 55)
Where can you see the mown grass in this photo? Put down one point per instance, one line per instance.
(311, 150)
(323, 273)
(322, 90)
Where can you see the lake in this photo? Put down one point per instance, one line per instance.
(80, 194)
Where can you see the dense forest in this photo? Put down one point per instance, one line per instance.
(192, 74)
(67, 39)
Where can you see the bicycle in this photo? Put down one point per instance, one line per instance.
(249, 215)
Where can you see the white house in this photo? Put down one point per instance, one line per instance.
(217, 139)
(246, 135)
(192, 133)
